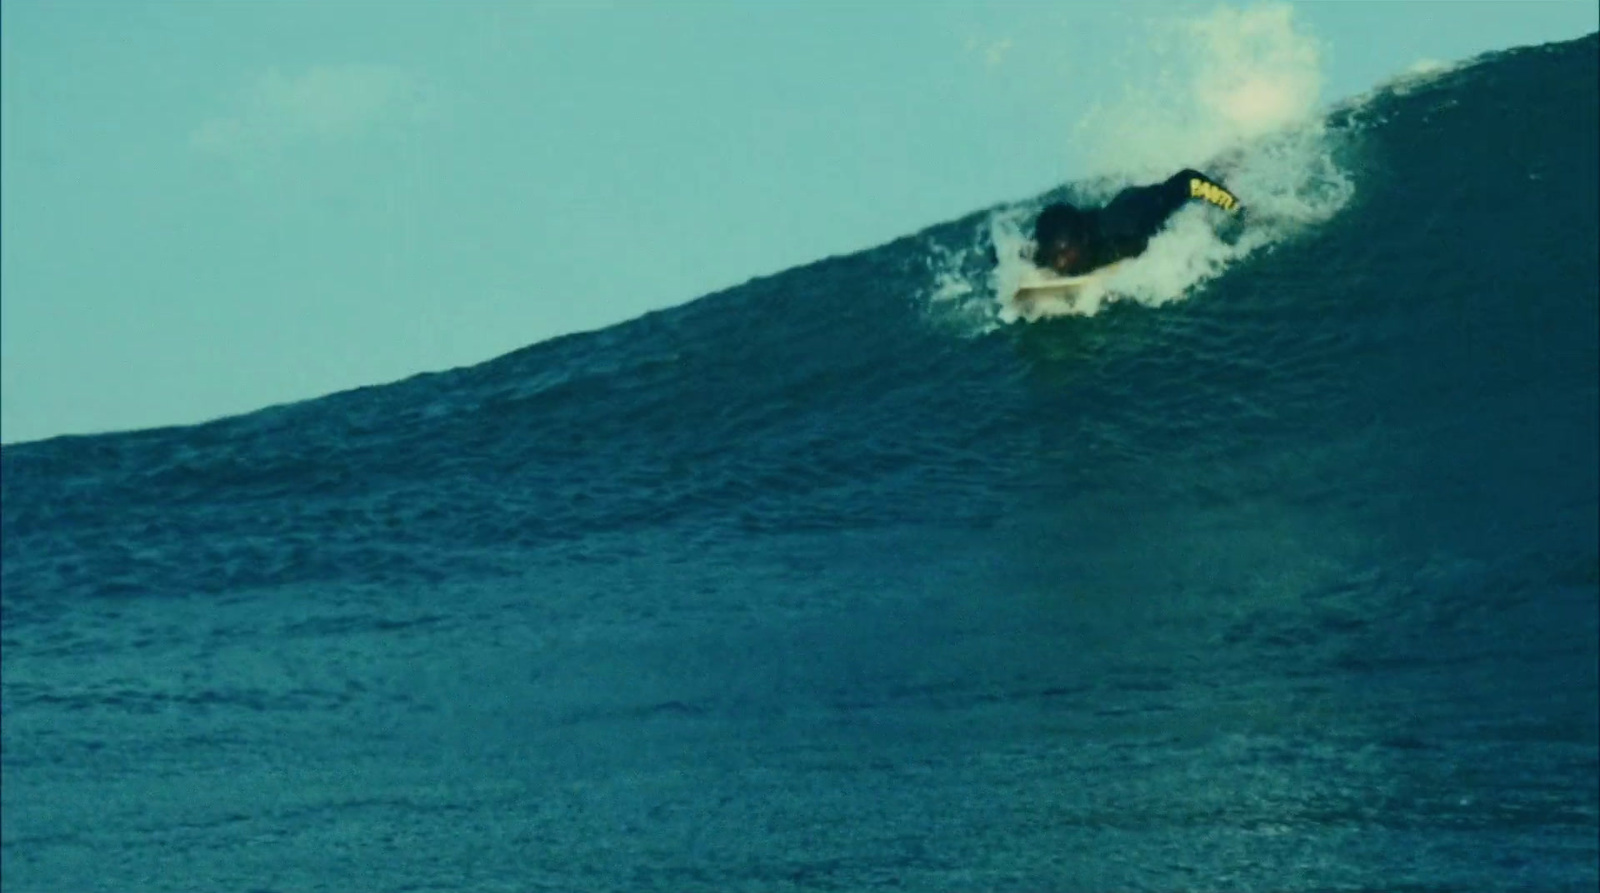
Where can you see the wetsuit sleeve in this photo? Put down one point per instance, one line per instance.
(1139, 212)
(1198, 186)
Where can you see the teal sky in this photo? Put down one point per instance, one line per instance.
(209, 207)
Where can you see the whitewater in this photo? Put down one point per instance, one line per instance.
(1273, 567)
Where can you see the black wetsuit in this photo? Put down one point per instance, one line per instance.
(1124, 227)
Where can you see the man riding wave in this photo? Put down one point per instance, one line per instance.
(1072, 241)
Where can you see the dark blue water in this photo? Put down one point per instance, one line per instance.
(1290, 585)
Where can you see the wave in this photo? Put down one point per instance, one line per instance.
(1443, 282)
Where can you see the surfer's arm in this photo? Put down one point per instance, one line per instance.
(1138, 213)
(1191, 184)
(1126, 224)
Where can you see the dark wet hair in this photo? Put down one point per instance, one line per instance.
(1058, 226)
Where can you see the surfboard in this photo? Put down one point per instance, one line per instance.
(1058, 288)
(1061, 287)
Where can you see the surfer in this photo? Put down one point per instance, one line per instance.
(1072, 241)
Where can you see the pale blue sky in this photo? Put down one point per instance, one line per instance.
(209, 207)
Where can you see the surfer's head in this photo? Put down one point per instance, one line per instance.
(1061, 238)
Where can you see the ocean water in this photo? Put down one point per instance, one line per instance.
(1277, 572)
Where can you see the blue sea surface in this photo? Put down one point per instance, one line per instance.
(1292, 584)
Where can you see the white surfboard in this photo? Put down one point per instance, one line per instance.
(1058, 288)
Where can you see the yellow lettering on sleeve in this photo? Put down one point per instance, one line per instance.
(1214, 194)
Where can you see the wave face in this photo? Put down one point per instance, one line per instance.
(1289, 584)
